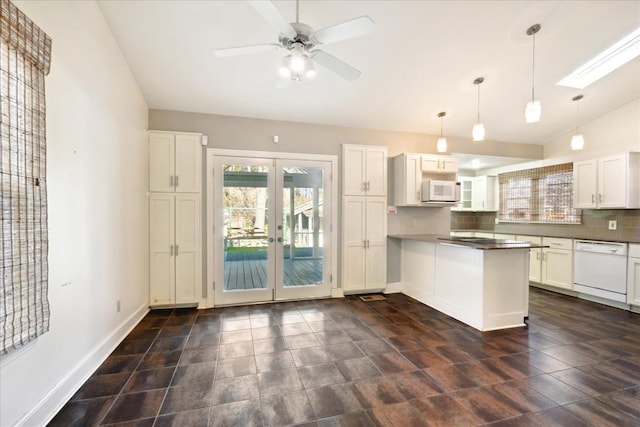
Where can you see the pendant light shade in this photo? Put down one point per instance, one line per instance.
(577, 140)
(478, 128)
(441, 145)
(533, 110)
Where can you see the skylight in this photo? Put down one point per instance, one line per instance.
(609, 60)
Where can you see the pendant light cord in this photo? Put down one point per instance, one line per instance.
(441, 120)
(478, 103)
(533, 69)
(297, 11)
(577, 115)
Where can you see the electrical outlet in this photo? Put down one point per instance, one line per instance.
(118, 306)
(497, 220)
(613, 224)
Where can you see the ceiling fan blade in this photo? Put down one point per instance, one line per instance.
(243, 50)
(347, 30)
(332, 63)
(271, 13)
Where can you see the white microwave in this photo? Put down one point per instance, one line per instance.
(440, 191)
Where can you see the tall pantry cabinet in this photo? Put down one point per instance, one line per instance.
(364, 218)
(175, 186)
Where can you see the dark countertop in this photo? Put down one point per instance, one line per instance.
(469, 242)
(613, 239)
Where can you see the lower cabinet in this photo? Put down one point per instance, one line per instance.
(364, 236)
(557, 262)
(535, 258)
(633, 275)
(174, 251)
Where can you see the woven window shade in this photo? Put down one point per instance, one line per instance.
(25, 53)
(538, 195)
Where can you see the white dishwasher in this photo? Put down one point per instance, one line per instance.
(600, 269)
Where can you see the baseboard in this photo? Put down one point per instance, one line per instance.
(393, 288)
(337, 293)
(49, 406)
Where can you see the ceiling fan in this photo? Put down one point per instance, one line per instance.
(301, 41)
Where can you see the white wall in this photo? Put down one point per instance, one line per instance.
(98, 227)
(615, 132)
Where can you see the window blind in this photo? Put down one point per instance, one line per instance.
(538, 195)
(25, 52)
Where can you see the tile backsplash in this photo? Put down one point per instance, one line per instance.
(594, 225)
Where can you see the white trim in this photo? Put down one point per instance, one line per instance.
(394, 288)
(273, 155)
(337, 293)
(48, 407)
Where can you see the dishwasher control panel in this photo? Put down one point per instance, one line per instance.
(614, 248)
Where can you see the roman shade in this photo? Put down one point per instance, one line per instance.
(25, 52)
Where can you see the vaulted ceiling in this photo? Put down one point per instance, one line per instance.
(421, 59)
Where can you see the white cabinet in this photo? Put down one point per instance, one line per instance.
(608, 182)
(478, 193)
(439, 164)
(407, 180)
(557, 262)
(633, 275)
(364, 170)
(484, 193)
(364, 236)
(175, 162)
(175, 254)
(535, 258)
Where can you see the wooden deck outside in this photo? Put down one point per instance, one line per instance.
(252, 273)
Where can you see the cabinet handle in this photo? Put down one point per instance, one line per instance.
(270, 239)
(364, 186)
(368, 186)
(599, 197)
(177, 180)
(171, 181)
(176, 250)
(279, 239)
(418, 195)
(593, 198)
(537, 255)
(170, 250)
(367, 244)
(364, 244)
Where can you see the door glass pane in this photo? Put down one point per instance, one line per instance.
(302, 226)
(246, 225)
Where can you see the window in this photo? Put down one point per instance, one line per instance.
(538, 195)
(25, 52)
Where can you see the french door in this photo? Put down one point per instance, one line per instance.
(272, 222)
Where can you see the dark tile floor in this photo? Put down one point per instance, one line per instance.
(353, 363)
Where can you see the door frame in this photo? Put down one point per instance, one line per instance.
(210, 215)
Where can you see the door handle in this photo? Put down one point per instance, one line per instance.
(270, 239)
(279, 239)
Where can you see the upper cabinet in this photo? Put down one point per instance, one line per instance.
(364, 170)
(407, 180)
(175, 162)
(607, 183)
(439, 164)
(479, 193)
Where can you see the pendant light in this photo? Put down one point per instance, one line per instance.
(478, 128)
(534, 109)
(441, 145)
(577, 140)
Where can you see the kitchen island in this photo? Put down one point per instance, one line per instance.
(481, 282)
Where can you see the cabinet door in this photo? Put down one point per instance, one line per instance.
(584, 184)
(557, 268)
(466, 194)
(161, 162)
(353, 238)
(535, 265)
(188, 164)
(187, 249)
(412, 179)
(449, 164)
(376, 236)
(633, 282)
(612, 185)
(161, 249)
(479, 193)
(353, 170)
(430, 164)
(376, 171)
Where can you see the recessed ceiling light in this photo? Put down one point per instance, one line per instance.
(609, 60)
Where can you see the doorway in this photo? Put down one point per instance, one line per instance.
(272, 228)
